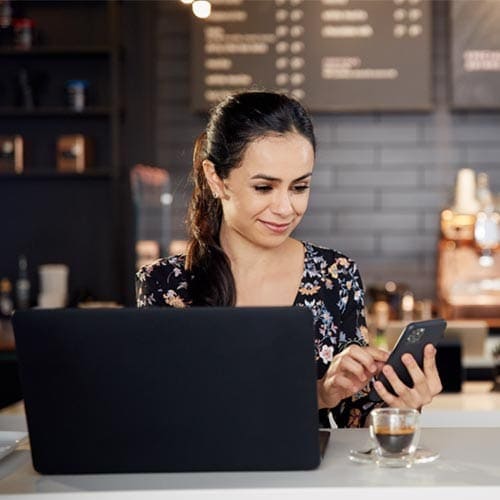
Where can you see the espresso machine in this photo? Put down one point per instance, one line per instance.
(468, 270)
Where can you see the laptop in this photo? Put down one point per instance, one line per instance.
(169, 390)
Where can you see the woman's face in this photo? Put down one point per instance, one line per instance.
(264, 199)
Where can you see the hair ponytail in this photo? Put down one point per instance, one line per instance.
(213, 282)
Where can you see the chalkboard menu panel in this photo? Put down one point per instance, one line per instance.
(475, 47)
(333, 55)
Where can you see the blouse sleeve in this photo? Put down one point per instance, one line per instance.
(353, 411)
(162, 283)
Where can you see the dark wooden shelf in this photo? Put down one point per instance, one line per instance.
(56, 50)
(54, 174)
(54, 111)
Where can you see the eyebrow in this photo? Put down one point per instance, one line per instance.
(275, 179)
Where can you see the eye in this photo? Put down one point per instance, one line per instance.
(300, 188)
(263, 188)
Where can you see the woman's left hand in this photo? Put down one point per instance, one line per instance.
(426, 382)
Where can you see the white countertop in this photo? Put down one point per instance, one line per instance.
(466, 431)
(470, 460)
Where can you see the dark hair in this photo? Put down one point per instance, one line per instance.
(234, 124)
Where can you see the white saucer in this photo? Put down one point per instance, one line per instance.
(422, 456)
(9, 441)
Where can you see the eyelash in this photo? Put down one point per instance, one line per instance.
(266, 189)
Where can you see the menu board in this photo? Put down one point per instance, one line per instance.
(333, 55)
(475, 47)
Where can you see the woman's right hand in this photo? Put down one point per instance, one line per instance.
(348, 373)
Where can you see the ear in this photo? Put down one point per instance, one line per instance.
(214, 181)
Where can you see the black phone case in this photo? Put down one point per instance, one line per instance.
(413, 339)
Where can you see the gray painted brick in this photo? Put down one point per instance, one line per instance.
(323, 130)
(383, 268)
(376, 178)
(356, 199)
(398, 155)
(468, 133)
(370, 134)
(431, 222)
(411, 244)
(378, 221)
(352, 245)
(411, 200)
(321, 179)
(393, 120)
(484, 154)
(346, 156)
(316, 222)
(352, 120)
(482, 119)
(442, 177)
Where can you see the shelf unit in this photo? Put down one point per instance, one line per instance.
(55, 216)
(53, 111)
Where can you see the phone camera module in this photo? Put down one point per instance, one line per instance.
(415, 335)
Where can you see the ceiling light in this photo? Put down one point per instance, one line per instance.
(201, 8)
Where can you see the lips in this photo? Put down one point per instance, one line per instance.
(275, 227)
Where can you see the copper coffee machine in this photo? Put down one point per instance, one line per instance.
(468, 270)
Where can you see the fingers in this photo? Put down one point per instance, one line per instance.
(334, 388)
(431, 371)
(377, 354)
(407, 397)
(366, 356)
(426, 382)
(353, 368)
(386, 396)
(350, 371)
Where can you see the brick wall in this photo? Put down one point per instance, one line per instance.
(380, 179)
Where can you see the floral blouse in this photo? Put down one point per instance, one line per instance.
(331, 289)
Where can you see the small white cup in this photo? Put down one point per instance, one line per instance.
(51, 300)
(53, 285)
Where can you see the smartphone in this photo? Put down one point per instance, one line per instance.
(414, 337)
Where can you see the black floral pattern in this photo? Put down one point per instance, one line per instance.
(331, 288)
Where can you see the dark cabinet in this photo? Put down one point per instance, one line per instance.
(49, 216)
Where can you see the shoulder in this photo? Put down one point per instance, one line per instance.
(163, 282)
(169, 272)
(328, 259)
(169, 267)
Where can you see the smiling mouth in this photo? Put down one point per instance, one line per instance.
(276, 228)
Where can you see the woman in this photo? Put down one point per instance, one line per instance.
(252, 173)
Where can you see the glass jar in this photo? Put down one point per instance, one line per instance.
(23, 33)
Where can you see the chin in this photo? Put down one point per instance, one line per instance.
(273, 240)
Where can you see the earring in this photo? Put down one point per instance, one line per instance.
(215, 195)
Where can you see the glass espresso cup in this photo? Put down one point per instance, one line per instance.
(395, 433)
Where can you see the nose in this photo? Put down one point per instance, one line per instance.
(282, 203)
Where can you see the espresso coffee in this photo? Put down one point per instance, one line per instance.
(394, 440)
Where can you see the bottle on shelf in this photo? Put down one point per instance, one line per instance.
(381, 314)
(457, 222)
(6, 27)
(6, 303)
(487, 225)
(23, 285)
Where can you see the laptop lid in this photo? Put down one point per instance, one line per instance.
(160, 389)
